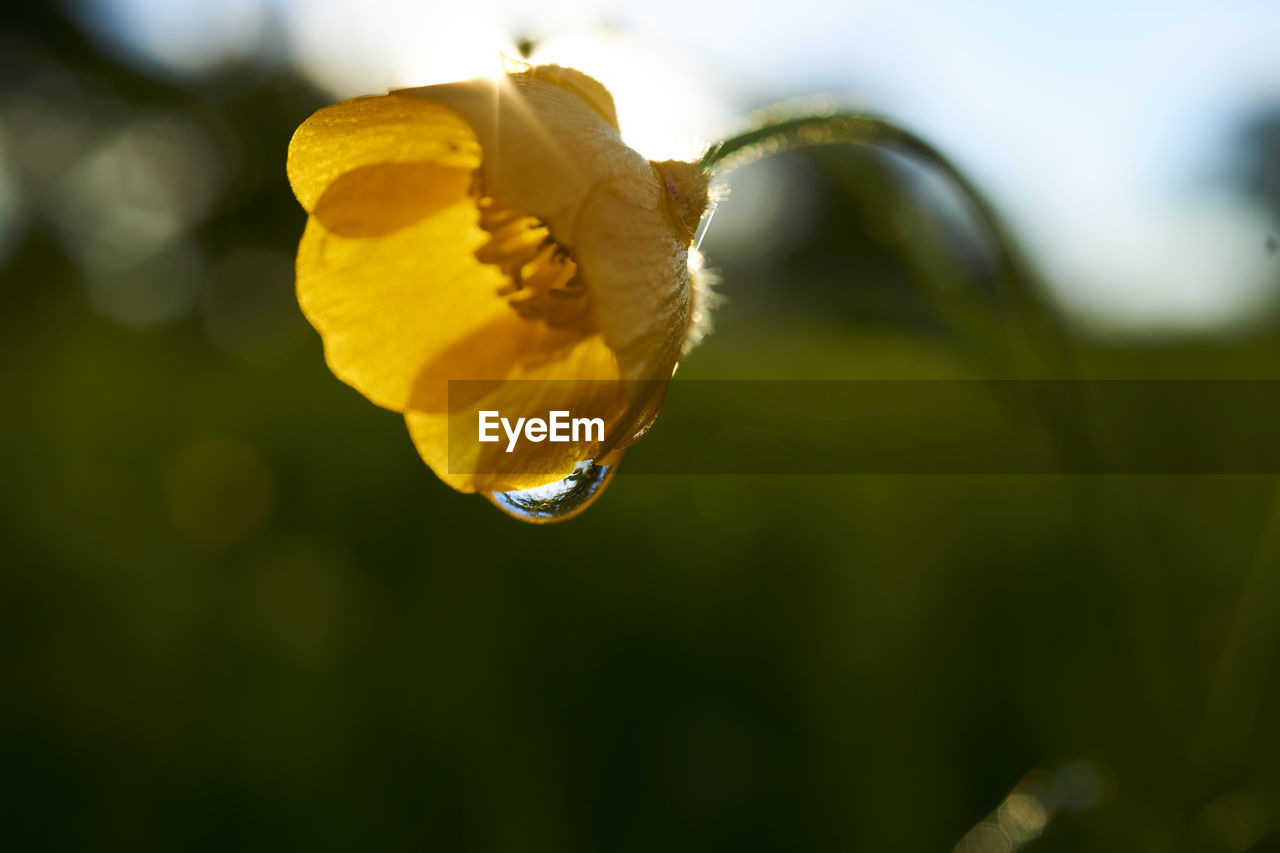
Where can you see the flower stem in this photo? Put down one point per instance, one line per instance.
(1035, 337)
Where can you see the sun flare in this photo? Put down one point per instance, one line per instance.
(665, 107)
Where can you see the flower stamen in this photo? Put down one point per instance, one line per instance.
(543, 281)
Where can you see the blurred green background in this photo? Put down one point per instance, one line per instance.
(237, 612)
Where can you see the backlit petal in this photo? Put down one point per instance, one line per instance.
(636, 260)
(379, 129)
(544, 146)
(386, 306)
(552, 370)
(588, 88)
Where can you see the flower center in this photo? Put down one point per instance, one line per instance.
(543, 282)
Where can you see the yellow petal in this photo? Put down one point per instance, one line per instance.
(547, 141)
(374, 200)
(386, 306)
(380, 129)
(588, 88)
(553, 370)
(636, 261)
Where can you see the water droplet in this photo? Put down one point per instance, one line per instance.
(557, 501)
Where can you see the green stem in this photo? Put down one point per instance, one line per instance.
(1035, 336)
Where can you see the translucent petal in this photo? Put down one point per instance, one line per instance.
(379, 129)
(550, 370)
(544, 146)
(636, 261)
(388, 305)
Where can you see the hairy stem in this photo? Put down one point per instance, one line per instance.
(1036, 339)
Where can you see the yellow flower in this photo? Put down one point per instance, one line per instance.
(500, 232)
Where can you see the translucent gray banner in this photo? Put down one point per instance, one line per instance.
(892, 427)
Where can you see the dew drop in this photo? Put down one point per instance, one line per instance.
(557, 501)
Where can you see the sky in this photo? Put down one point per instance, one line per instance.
(1103, 130)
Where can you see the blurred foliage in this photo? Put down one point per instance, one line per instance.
(1258, 165)
(237, 611)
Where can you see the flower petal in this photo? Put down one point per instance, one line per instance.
(588, 88)
(552, 370)
(379, 129)
(385, 306)
(374, 200)
(635, 258)
(547, 140)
